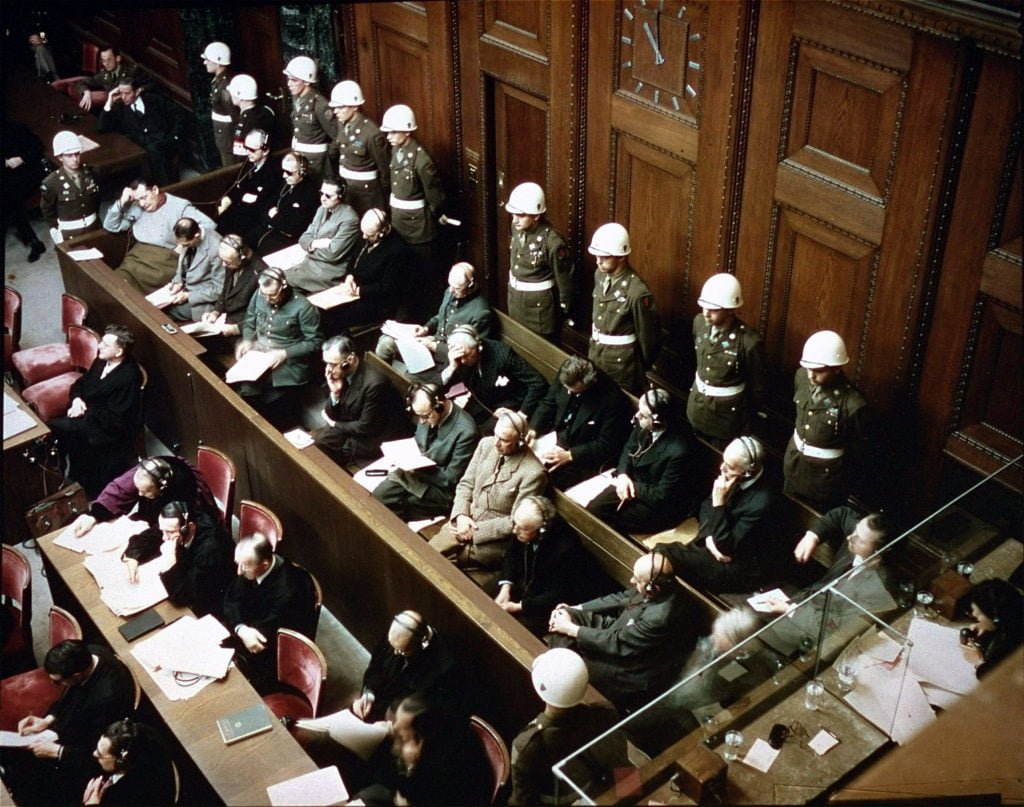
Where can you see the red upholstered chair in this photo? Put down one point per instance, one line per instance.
(218, 470)
(17, 605)
(255, 517)
(497, 753)
(12, 325)
(302, 668)
(90, 57)
(39, 363)
(30, 693)
(51, 398)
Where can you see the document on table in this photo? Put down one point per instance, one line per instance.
(332, 297)
(760, 602)
(586, 491)
(405, 454)
(214, 328)
(104, 537)
(398, 330)
(10, 403)
(936, 657)
(891, 697)
(545, 443)
(190, 646)
(823, 742)
(415, 355)
(286, 258)
(91, 254)
(162, 297)
(373, 474)
(11, 739)
(16, 422)
(121, 596)
(320, 787)
(250, 367)
(761, 756)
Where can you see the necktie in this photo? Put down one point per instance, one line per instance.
(431, 435)
(497, 468)
(607, 285)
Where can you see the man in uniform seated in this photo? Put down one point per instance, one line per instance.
(590, 416)
(149, 120)
(95, 689)
(444, 434)
(268, 593)
(362, 409)
(655, 470)
(503, 471)
(202, 551)
(150, 214)
(731, 552)
(634, 642)
(330, 242)
(494, 375)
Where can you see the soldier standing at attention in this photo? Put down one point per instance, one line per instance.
(626, 329)
(70, 195)
(217, 58)
(730, 365)
(540, 271)
(249, 115)
(829, 425)
(359, 150)
(313, 126)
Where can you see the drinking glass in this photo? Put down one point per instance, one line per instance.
(733, 741)
(846, 674)
(924, 599)
(814, 693)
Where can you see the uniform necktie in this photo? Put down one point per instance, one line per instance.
(607, 285)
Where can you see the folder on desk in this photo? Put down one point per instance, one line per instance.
(148, 620)
(247, 723)
(250, 367)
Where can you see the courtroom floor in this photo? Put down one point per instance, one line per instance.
(40, 285)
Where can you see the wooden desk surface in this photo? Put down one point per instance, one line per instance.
(40, 107)
(40, 429)
(234, 771)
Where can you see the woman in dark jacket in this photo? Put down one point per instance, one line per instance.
(136, 767)
(998, 610)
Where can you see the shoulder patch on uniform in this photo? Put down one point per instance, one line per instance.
(647, 300)
(563, 252)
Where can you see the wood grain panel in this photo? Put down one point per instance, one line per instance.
(521, 25)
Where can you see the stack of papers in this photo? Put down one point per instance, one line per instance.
(586, 491)
(286, 258)
(162, 297)
(299, 438)
(215, 328)
(415, 355)
(331, 298)
(250, 367)
(186, 656)
(104, 537)
(121, 596)
(760, 602)
(17, 421)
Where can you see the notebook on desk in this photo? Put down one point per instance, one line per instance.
(247, 723)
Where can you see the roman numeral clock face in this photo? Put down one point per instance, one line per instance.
(661, 54)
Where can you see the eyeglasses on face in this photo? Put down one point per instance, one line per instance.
(288, 173)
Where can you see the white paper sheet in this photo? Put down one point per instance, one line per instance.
(940, 698)
(422, 524)
(761, 756)
(346, 729)
(299, 438)
(104, 537)
(415, 355)
(10, 403)
(760, 602)
(286, 258)
(11, 739)
(162, 297)
(17, 422)
(214, 328)
(121, 596)
(398, 330)
(586, 491)
(320, 787)
(936, 657)
(250, 367)
(405, 454)
(91, 254)
(332, 297)
(371, 481)
(823, 742)
(188, 645)
(892, 699)
(545, 443)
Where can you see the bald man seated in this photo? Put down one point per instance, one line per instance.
(634, 642)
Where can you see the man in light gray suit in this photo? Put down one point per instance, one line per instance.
(331, 240)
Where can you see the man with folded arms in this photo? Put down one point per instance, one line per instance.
(329, 241)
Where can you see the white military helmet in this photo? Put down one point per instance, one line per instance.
(824, 349)
(218, 53)
(347, 93)
(721, 291)
(398, 118)
(609, 239)
(302, 68)
(526, 199)
(560, 677)
(66, 143)
(243, 86)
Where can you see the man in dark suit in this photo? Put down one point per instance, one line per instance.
(269, 593)
(729, 553)
(633, 642)
(201, 571)
(95, 690)
(493, 373)
(253, 192)
(362, 408)
(445, 434)
(655, 467)
(590, 416)
(149, 120)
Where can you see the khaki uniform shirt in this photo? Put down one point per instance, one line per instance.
(360, 147)
(625, 308)
(414, 177)
(536, 256)
(67, 196)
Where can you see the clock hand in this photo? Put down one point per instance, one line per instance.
(658, 58)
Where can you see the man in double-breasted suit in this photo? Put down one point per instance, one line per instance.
(503, 470)
(635, 641)
(590, 417)
(650, 491)
(445, 434)
(330, 242)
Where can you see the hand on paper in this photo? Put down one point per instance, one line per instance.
(81, 525)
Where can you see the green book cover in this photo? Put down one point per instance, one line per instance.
(248, 722)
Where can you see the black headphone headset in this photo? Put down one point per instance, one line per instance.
(415, 625)
(382, 218)
(512, 417)
(657, 401)
(466, 330)
(430, 390)
(275, 273)
(301, 163)
(264, 137)
(547, 513)
(653, 586)
(159, 470)
(755, 454)
(127, 740)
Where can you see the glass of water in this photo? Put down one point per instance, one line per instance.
(733, 741)
(905, 596)
(924, 599)
(965, 568)
(846, 674)
(814, 694)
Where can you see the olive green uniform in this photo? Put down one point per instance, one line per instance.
(830, 420)
(626, 330)
(223, 114)
(313, 129)
(417, 198)
(69, 199)
(361, 154)
(539, 258)
(729, 380)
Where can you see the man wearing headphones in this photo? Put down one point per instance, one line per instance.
(544, 565)
(635, 641)
(503, 471)
(444, 434)
(362, 408)
(136, 765)
(291, 208)
(330, 242)
(242, 270)
(286, 325)
(495, 376)
(590, 416)
(253, 192)
(654, 475)
(201, 550)
(730, 553)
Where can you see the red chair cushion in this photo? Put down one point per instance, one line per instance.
(284, 703)
(52, 397)
(37, 364)
(29, 693)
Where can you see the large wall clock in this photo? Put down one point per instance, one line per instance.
(661, 51)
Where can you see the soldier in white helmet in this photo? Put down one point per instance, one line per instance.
(566, 724)
(829, 427)
(249, 114)
(730, 364)
(626, 330)
(217, 59)
(540, 269)
(70, 199)
(417, 203)
(313, 124)
(359, 151)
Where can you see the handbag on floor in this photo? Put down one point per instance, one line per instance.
(57, 510)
